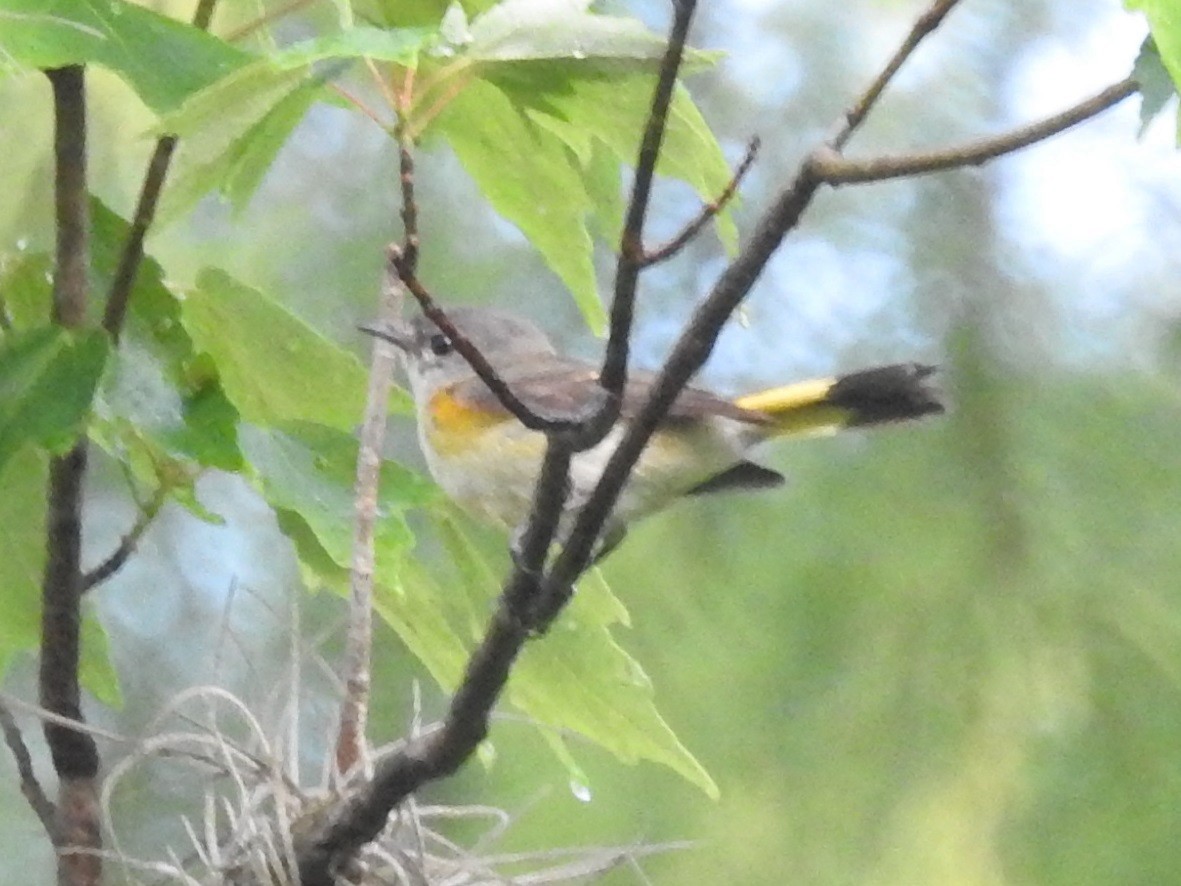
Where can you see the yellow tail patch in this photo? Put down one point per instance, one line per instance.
(801, 408)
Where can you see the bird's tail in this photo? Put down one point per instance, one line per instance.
(870, 397)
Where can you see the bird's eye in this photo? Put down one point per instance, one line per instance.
(439, 345)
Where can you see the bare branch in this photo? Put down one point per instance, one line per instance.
(855, 116)
(75, 756)
(534, 595)
(442, 751)
(42, 806)
(70, 284)
(691, 230)
(350, 740)
(409, 208)
(631, 242)
(145, 211)
(126, 547)
(836, 169)
(479, 363)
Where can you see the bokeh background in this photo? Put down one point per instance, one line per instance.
(947, 654)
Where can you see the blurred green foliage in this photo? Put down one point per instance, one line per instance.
(946, 654)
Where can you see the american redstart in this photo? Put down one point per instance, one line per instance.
(487, 461)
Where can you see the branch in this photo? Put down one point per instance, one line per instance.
(404, 260)
(75, 756)
(31, 788)
(836, 169)
(855, 116)
(409, 208)
(479, 363)
(145, 211)
(442, 751)
(350, 739)
(687, 357)
(631, 245)
(72, 219)
(126, 547)
(708, 211)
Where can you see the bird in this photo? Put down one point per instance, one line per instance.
(487, 461)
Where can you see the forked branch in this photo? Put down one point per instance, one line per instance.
(536, 592)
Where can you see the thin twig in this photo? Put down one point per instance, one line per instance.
(132, 255)
(350, 740)
(404, 260)
(126, 547)
(855, 116)
(630, 260)
(836, 169)
(708, 211)
(42, 806)
(409, 206)
(74, 754)
(535, 421)
(442, 751)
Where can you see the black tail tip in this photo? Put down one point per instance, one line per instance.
(888, 393)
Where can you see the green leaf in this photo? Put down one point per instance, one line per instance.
(577, 677)
(47, 381)
(23, 483)
(525, 30)
(22, 552)
(531, 179)
(163, 60)
(168, 397)
(96, 672)
(306, 473)
(548, 103)
(310, 470)
(273, 366)
(231, 131)
(400, 46)
(1164, 22)
(1156, 87)
(613, 109)
(519, 30)
(421, 613)
(26, 288)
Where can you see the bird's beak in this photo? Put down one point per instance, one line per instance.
(398, 335)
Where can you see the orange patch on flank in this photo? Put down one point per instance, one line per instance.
(454, 423)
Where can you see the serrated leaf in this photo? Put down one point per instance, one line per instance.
(540, 137)
(158, 385)
(232, 130)
(47, 381)
(578, 678)
(613, 109)
(420, 611)
(1156, 87)
(310, 469)
(273, 366)
(163, 60)
(529, 178)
